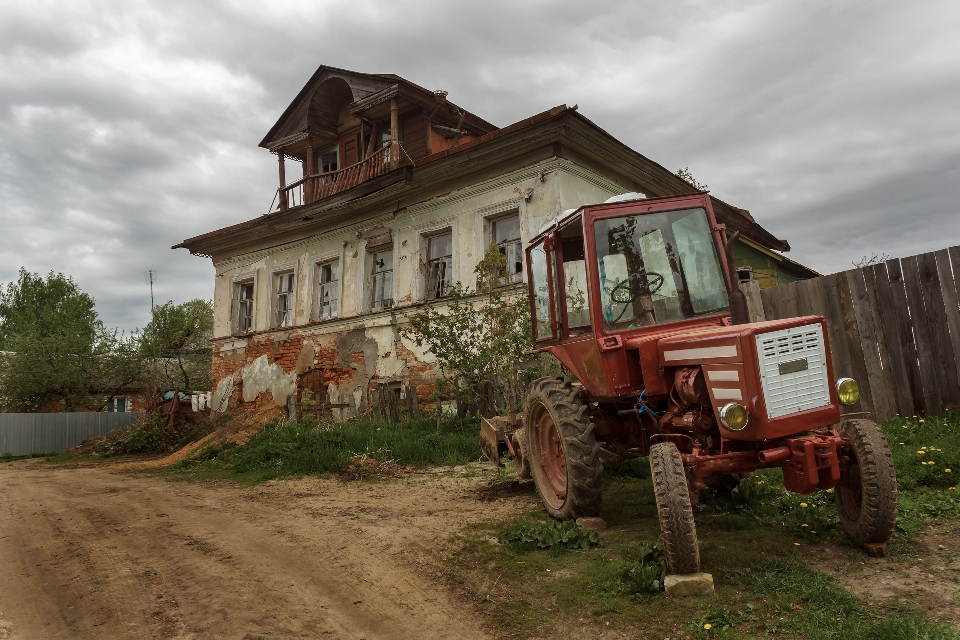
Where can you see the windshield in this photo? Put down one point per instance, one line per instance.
(657, 268)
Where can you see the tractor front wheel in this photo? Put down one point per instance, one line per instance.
(677, 527)
(563, 451)
(866, 495)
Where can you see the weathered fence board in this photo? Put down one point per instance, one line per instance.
(894, 327)
(22, 434)
(921, 332)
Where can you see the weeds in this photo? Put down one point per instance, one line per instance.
(317, 447)
(643, 571)
(152, 433)
(554, 536)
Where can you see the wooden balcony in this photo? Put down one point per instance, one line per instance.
(319, 186)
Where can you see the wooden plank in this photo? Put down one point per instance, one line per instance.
(851, 328)
(808, 298)
(888, 335)
(771, 298)
(907, 338)
(950, 283)
(936, 316)
(837, 335)
(884, 406)
(921, 332)
(789, 300)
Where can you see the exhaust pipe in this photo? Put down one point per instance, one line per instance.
(738, 301)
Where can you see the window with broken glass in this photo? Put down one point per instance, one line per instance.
(284, 289)
(329, 290)
(506, 235)
(329, 160)
(245, 307)
(439, 266)
(382, 284)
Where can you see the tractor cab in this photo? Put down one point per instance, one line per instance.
(603, 275)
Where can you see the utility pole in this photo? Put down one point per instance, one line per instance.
(150, 276)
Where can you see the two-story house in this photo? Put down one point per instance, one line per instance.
(401, 194)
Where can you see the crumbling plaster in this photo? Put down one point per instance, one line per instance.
(366, 344)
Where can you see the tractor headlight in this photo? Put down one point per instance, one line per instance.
(848, 391)
(734, 416)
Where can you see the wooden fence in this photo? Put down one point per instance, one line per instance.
(894, 327)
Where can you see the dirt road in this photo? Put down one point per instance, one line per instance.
(93, 553)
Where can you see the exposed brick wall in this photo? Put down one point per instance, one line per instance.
(348, 370)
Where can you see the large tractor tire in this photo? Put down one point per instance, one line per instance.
(677, 527)
(563, 451)
(867, 496)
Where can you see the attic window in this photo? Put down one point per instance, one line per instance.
(328, 160)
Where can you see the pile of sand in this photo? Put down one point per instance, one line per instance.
(239, 428)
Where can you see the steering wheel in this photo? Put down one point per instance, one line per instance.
(645, 283)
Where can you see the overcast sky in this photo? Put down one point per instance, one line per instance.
(126, 127)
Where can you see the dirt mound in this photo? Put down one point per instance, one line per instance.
(238, 428)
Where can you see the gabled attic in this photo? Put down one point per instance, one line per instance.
(347, 127)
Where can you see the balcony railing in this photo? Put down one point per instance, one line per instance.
(318, 186)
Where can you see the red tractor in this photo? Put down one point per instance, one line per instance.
(639, 301)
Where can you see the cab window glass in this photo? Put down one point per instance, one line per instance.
(656, 268)
(540, 289)
(575, 277)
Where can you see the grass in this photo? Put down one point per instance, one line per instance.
(320, 447)
(756, 542)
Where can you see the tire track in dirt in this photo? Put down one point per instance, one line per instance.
(88, 553)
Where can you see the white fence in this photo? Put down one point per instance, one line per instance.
(22, 434)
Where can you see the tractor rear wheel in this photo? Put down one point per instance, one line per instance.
(677, 527)
(563, 451)
(866, 495)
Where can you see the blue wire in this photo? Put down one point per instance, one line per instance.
(642, 406)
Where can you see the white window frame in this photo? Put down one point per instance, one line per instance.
(511, 278)
(335, 149)
(336, 289)
(371, 253)
(287, 276)
(238, 284)
(428, 263)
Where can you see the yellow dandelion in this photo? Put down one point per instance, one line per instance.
(921, 420)
(804, 525)
(812, 531)
(903, 443)
(796, 544)
(947, 471)
(932, 462)
(921, 452)
(803, 504)
(829, 490)
(708, 626)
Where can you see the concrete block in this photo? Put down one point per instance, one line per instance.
(592, 524)
(876, 549)
(690, 584)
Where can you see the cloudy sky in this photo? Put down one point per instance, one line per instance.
(126, 127)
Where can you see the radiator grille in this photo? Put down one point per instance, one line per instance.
(801, 390)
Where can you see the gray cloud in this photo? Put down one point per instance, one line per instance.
(126, 127)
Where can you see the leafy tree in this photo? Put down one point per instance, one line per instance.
(477, 340)
(58, 352)
(175, 346)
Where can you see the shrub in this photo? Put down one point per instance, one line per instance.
(152, 433)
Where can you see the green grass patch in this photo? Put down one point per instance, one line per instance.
(9, 457)
(320, 447)
(756, 541)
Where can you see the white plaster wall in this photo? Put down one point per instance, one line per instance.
(539, 192)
